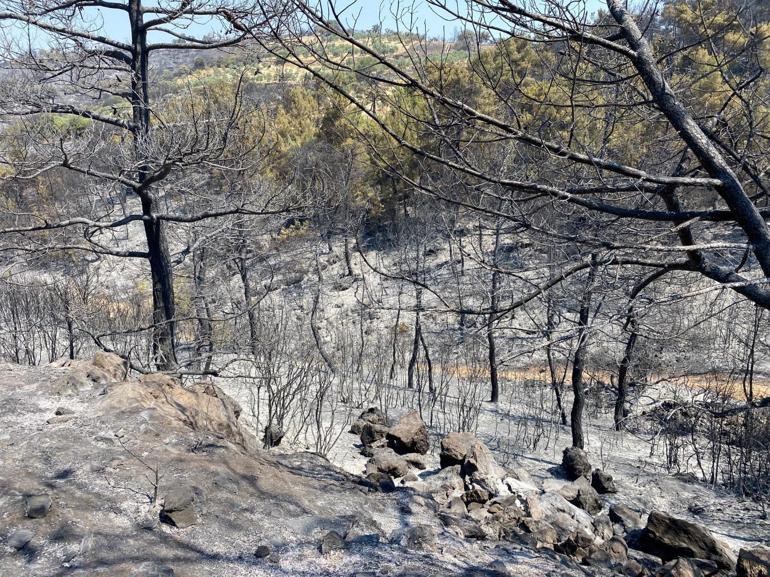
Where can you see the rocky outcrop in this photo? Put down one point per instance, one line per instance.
(410, 435)
(199, 409)
(670, 538)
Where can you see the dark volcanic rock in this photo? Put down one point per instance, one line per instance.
(371, 433)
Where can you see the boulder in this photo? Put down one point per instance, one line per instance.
(381, 482)
(37, 506)
(543, 534)
(332, 541)
(669, 538)
(389, 463)
(19, 539)
(603, 482)
(679, 568)
(179, 507)
(586, 498)
(371, 433)
(455, 447)
(481, 471)
(114, 366)
(373, 416)
(754, 562)
(564, 515)
(626, 517)
(445, 484)
(575, 463)
(410, 435)
(456, 506)
(415, 460)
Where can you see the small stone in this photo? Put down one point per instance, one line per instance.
(20, 538)
(332, 541)
(63, 411)
(262, 551)
(37, 506)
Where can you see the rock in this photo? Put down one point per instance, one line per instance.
(457, 506)
(114, 366)
(332, 541)
(371, 433)
(363, 530)
(410, 435)
(419, 537)
(586, 497)
(603, 527)
(410, 478)
(669, 538)
(679, 568)
(626, 517)
(633, 568)
(63, 411)
(389, 463)
(455, 447)
(179, 507)
(476, 495)
(575, 463)
(618, 550)
(37, 506)
(563, 515)
(481, 471)
(382, 482)
(545, 536)
(603, 482)
(183, 408)
(754, 562)
(272, 437)
(19, 539)
(262, 551)
(415, 460)
(374, 416)
(445, 484)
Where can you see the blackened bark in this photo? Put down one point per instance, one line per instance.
(578, 361)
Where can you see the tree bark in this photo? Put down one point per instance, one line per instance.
(578, 361)
(163, 302)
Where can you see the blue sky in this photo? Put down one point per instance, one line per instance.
(366, 13)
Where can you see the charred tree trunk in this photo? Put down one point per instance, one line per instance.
(205, 345)
(416, 340)
(163, 302)
(578, 361)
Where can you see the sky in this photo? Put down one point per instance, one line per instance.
(365, 13)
